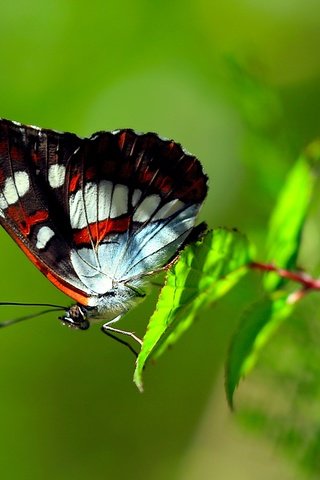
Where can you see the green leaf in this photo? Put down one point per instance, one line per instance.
(205, 272)
(289, 215)
(256, 327)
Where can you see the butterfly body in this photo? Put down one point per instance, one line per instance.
(97, 216)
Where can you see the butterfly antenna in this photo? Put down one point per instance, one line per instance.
(53, 308)
(22, 304)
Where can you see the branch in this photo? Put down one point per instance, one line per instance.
(308, 283)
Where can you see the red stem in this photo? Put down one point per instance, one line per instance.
(300, 277)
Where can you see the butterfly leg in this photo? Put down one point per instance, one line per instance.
(107, 329)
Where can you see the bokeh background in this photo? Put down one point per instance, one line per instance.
(237, 83)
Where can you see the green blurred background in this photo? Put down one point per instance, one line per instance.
(237, 83)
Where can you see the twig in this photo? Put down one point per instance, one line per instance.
(304, 279)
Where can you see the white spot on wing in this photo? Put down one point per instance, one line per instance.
(146, 208)
(100, 203)
(44, 235)
(3, 202)
(119, 204)
(90, 200)
(22, 182)
(104, 199)
(56, 175)
(83, 206)
(16, 187)
(136, 197)
(168, 209)
(77, 217)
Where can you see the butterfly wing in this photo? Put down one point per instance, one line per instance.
(32, 173)
(133, 200)
(93, 212)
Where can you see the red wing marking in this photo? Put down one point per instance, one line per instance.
(103, 228)
(15, 154)
(90, 173)
(74, 183)
(3, 176)
(126, 170)
(122, 139)
(146, 177)
(25, 221)
(3, 148)
(164, 184)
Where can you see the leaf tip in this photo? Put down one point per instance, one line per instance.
(229, 391)
(138, 381)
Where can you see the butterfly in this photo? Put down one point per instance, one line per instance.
(98, 216)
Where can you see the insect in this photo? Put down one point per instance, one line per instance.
(98, 216)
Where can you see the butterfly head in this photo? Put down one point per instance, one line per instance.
(76, 317)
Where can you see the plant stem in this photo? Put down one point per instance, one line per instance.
(304, 279)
